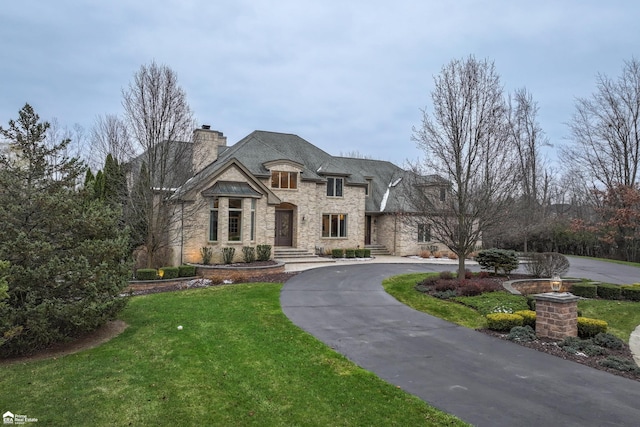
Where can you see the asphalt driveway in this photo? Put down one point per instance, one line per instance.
(483, 380)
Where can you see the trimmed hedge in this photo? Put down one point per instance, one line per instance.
(528, 317)
(186, 271)
(503, 322)
(631, 293)
(146, 274)
(589, 328)
(169, 272)
(350, 253)
(608, 291)
(367, 253)
(359, 253)
(585, 290)
(337, 253)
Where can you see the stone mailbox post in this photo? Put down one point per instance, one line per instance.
(556, 315)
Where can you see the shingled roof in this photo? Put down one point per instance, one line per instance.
(262, 147)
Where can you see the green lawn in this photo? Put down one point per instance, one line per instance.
(238, 361)
(622, 316)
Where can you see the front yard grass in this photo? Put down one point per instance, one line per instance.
(622, 316)
(237, 361)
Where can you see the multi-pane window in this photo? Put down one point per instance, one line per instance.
(253, 219)
(424, 233)
(334, 225)
(281, 179)
(367, 189)
(334, 186)
(213, 220)
(235, 220)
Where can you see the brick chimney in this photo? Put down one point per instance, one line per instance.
(206, 145)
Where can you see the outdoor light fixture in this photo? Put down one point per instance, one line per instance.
(556, 283)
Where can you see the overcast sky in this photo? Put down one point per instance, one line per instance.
(345, 75)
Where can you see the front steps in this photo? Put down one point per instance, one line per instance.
(377, 250)
(296, 256)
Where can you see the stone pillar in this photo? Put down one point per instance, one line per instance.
(556, 315)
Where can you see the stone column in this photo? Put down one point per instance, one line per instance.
(556, 315)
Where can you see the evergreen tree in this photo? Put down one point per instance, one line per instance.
(67, 254)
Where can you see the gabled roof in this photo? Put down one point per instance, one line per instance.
(262, 148)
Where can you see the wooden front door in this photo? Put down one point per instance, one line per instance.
(284, 228)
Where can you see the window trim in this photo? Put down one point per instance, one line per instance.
(291, 176)
(214, 210)
(328, 226)
(424, 233)
(333, 187)
(237, 214)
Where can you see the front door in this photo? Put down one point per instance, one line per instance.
(284, 226)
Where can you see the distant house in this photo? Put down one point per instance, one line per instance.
(281, 190)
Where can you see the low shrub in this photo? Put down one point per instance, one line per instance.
(429, 281)
(503, 322)
(207, 253)
(169, 272)
(576, 345)
(522, 334)
(483, 275)
(436, 254)
(620, 364)
(425, 254)
(359, 253)
(589, 328)
(446, 275)
(531, 302)
(467, 288)
(228, 254)
(248, 254)
(186, 271)
(631, 293)
(146, 274)
(367, 253)
(607, 340)
(453, 255)
(447, 294)
(263, 252)
(585, 290)
(498, 260)
(528, 316)
(445, 285)
(468, 274)
(607, 291)
(337, 253)
(547, 264)
(350, 253)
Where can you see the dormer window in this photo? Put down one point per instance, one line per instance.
(286, 180)
(334, 186)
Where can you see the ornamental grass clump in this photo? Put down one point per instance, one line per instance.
(263, 252)
(249, 254)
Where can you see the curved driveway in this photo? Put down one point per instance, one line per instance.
(481, 379)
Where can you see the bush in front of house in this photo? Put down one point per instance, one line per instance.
(589, 328)
(207, 253)
(169, 272)
(146, 274)
(607, 340)
(503, 322)
(585, 290)
(498, 260)
(359, 253)
(186, 271)
(228, 254)
(337, 253)
(620, 364)
(350, 253)
(528, 316)
(631, 292)
(248, 254)
(608, 291)
(366, 253)
(263, 252)
(547, 264)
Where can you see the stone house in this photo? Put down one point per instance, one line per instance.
(281, 190)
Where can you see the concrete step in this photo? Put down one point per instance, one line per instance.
(378, 250)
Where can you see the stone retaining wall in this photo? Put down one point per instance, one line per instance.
(534, 286)
(237, 272)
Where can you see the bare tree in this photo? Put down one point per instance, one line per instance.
(465, 141)
(533, 178)
(605, 130)
(109, 135)
(160, 122)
